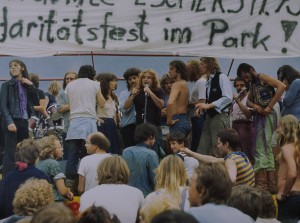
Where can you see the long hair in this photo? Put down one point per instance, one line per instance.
(47, 146)
(65, 78)
(54, 213)
(180, 68)
(287, 72)
(243, 67)
(113, 170)
(289, 132)
(211, 63)
(193, 70)
(54, 88)
(104, 79)
(22, 64)
(170, 175)
(35, 79)
(155, 85)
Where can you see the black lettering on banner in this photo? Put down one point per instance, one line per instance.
(50, 22)
(63, 33)
(262, 41)
(80, 2)
(16, 29)
(141, 25)
(42, 28)
(93, 33)
(78, 24)
(217, 26)
(47, 28)
(166, 3)
(288, 28)
(102, 1)
(29, 27)
(239, 9)
(177, 34)
(220, 4)
(137, 2)
(292, 13)
(4, 25)
(105, 28)
(197, 8)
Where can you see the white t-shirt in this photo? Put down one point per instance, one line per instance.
(184, 194)
(190, 164)
(82, 94)
(108, 111)
(122, 200)
(88, 168)
(198, 90)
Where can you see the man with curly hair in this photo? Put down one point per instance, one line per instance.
(30, 197)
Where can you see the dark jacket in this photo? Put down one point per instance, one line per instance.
(10, 104)
(214, 94)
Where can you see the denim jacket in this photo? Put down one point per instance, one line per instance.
(9, 101)
(142, 162)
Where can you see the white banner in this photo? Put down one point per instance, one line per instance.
(220, 28)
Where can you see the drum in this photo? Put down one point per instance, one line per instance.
(32, 122)
(53, 113)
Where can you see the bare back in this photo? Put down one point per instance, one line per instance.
(180, 97)
(288, 165)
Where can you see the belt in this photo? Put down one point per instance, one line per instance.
(240, 121)
(294, 193)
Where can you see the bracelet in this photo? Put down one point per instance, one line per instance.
(269, 107)
(284, 196)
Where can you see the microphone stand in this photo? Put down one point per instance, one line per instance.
(145, 108)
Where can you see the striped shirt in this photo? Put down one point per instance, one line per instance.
(245, 173)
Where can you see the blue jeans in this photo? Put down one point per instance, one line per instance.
(65, 146)
(183, 125)
(289, 209)
(76, 151)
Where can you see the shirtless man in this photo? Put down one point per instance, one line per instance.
(177, 106)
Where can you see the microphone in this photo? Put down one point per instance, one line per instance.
(146, 85)
(240, 94)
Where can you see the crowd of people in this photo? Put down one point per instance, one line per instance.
(155, 153)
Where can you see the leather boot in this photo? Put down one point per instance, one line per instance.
(272, 185)
(261, 179)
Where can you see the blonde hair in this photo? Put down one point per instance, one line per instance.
(211, 63)
(156, 204)
(113, 170)
(289, 132)
(47, 146)
(54, 88)
(54, 213)
(155, 85)
(194, 71)
(170, 175)
(31, 196)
